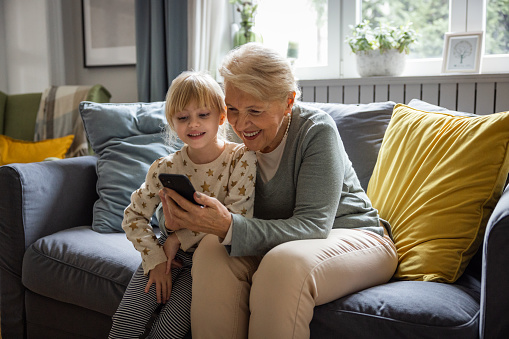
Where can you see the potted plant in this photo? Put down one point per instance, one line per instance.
(245, 34)
(381, 50)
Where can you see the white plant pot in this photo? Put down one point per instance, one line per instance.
(374, 63)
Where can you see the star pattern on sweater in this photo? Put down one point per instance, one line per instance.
(205, 187)
(133, 226)
(242, 190)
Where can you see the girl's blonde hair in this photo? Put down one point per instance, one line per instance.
(260, 72)
(192, 86)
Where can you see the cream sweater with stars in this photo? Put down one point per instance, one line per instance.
(230, 179)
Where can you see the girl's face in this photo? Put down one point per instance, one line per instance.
(258, 123)
(197, 127)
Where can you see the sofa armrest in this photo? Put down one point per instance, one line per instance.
(38, 199)
(495, 273)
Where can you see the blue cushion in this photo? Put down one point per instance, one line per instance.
(402, 309)
(362, 128)
(127, 138)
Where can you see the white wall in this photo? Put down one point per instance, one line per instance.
(38, 50)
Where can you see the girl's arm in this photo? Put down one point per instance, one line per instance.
(137, 215)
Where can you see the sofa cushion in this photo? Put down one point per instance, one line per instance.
(402, 309)
(127, 138)
(436, 180)
(362, 128)
(21, 151)
(81, 267)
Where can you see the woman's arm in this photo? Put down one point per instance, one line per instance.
(307, 202)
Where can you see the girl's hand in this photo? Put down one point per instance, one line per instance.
(171, 246)
(168, 222)
(212, 218)
(162, 280)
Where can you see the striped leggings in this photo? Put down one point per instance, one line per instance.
(137, 307)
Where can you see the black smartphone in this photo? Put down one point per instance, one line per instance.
(180, 184)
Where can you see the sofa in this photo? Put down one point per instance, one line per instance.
(64, 262)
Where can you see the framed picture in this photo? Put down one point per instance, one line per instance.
(462, 52)
(109, 37)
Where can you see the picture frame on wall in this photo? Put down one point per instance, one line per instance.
(462, 52)
(109, 37)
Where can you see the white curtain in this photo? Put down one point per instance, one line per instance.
(209, 35)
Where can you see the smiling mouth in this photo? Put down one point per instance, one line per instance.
(196, 134)
(251, 134)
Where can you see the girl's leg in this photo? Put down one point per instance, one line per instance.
(221, 284)
(174, 321)
(135, 308)
(295, 277)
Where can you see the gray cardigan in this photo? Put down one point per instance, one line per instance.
(314, 190)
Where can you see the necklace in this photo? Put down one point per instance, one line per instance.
(289, 115)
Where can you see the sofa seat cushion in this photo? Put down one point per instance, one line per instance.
(401, 309)
(81, 267)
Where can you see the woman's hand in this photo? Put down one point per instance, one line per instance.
(212, 218)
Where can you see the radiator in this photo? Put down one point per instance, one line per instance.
(475, 93)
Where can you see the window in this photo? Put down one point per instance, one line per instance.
(306, 31)
(319, 29)
(428, 17)
(497, 27)
(433, 18)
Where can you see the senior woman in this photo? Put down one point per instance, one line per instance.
(315, 236)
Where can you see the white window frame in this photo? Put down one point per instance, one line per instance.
(332, 70)
(465, 16)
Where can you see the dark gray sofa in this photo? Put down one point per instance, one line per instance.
(61, 279)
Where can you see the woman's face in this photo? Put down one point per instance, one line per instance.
(258, 123)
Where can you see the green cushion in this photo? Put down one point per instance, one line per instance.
(98, 94)
(20, 113)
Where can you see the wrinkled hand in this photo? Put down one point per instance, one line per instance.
(211, 218)
(162, 282)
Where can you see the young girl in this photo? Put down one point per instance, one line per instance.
(195, 109)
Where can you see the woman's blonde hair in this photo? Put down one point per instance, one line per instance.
(192, 86)
(260, 72)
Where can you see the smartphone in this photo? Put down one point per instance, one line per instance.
(180, 184)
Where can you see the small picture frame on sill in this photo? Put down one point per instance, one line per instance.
(462, 52)
(109, 37)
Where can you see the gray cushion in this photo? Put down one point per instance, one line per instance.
(362, 128)
(403, 309)
(81, 267)
(426, 106)
(127, 138)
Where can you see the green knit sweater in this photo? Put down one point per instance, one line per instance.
(314, 190)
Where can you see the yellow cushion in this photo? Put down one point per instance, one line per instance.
(437, 180)
(20, 151)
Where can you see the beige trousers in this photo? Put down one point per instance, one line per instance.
(247, 297)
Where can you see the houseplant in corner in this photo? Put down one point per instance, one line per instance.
(381, 51)
(246, 33)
